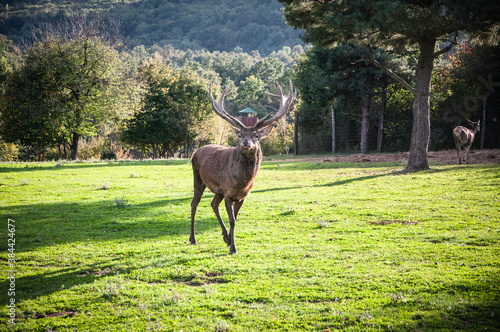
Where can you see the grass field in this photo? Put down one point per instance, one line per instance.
(322, 246)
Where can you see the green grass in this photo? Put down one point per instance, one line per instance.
(104, 247)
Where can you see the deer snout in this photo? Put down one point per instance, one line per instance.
(247, 144)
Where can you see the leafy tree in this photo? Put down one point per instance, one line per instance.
(467, 89)
(10, 58)
(72, 85)
(30, 114)
(335, 77)
(175, 105)
(250, 91)
(412, 26)
(269, 70)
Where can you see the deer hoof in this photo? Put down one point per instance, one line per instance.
(232, 250)
(193, 241)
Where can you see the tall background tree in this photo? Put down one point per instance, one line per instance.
(72, 85)
(334, 77)
(413, 27)
(175, 106)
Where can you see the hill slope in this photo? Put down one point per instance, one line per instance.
(196, 24)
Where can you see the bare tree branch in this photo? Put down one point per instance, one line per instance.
(449, 47)
(388, 71)
(409, 53)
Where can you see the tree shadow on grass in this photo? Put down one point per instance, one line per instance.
(59, 224)
(361, 178)
(458, 316)
(44, 224)
(52, 166)
(46, 283)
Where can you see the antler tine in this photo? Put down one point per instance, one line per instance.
(285, 103)
(218, 108)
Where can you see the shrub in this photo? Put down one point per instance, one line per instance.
(8, 151)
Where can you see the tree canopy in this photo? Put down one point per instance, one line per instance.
(72, 84)
(409, 27)
(175, 105)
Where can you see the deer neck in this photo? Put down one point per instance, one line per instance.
(248, 162)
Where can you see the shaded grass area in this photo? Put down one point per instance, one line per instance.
(104, 246)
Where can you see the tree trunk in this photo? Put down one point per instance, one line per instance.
(74, 146)
(380, 132)
(365, 123)
(155, 151)
(296, 135)
(420, 135)
(483, 124)
(59, 150)
(39, 153)
(333, 131)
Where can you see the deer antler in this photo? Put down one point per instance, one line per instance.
(285, 104)
(218, 108)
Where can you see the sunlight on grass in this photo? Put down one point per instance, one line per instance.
(321, 246)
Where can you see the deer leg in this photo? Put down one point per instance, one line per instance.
(215, 206)
(457, 146)
(467, 155)
(232, 222)
(198, 192)
(237, 206)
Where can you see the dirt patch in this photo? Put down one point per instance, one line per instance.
(446, 157)
(389, 222)
(56, 314)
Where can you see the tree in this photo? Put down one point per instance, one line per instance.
(333, 77)
(468, 89)
(175, 104)
(88, 75)
(413, 26)
(30, 114)
(10, 58)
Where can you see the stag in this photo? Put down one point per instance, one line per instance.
(464, 138)
(229, 172)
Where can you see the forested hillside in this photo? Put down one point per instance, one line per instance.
(213, 25)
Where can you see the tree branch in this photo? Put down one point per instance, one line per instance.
(409, 53)
(447, 48)
(388, 71)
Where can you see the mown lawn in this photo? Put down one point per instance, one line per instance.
(104, 247)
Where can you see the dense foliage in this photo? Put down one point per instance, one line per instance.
(72, 84)
(409, 27)
(357, 90)
(175, 105)
(255, 25)
(52, 105)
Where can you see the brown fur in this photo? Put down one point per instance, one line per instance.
(229, 172)
(464, 137)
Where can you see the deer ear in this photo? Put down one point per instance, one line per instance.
(265, 131)
(236, 130)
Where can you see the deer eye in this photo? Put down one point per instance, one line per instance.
(256, 135)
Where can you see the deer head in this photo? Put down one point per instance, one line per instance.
(475, 125)
(249, 137)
